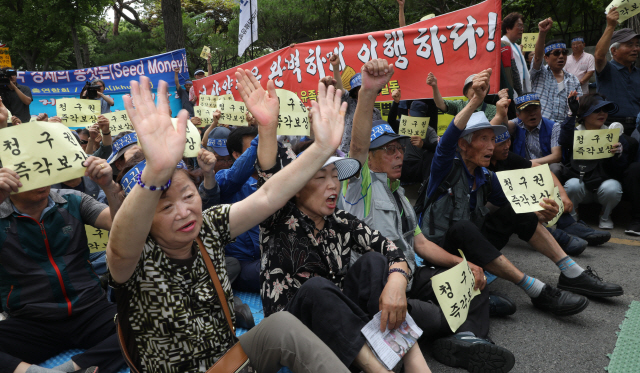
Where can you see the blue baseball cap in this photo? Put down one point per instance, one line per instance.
(128, 181)
(119, 146)
(382, 133)
(479, 121)
(526, 100)
(218, 140)
(356, 81)
(418, 109)
(607, 106)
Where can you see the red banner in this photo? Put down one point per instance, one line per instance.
(452, 46)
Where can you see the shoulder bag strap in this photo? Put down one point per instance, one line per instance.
(217, 284)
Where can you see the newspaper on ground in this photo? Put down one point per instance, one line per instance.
(391, 346)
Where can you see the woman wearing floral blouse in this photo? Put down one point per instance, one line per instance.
(306, 252)
(168, 306)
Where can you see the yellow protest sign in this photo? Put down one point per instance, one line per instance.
(205, 114)
(626, 8)
(42, 153)
(413, 126)
(234, 113)
(204, 52)
(75, 112)
(96, 238)
(208, 101)
(5, 58)
(594, 144)
(119, 122)
(558, 199)
(192, 146)
(454, 289)
(529, 41)
(294, 117)
(525, 188)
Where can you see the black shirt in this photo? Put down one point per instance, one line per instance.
(513, 162)
(184, 98)
(16, 106)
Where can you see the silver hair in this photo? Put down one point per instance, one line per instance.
(615, 45)
(468, 138)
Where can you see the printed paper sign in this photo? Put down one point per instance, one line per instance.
(208, 101)
(75, 112)
(42, 153)
(119, 122)
(413, 126)
(192, 146)
(529, 41)
(626, 8)
(97, 239)
(454, 289)
(205, 114)
(233, 113)
(594, 144)
(558, 199)
(525, 188)
(204, 52)
(294, 116)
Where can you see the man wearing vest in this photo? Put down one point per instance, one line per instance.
(534, 137)
(47, 285)
(474, 203)
(375, 196)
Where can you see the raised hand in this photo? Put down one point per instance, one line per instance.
(335, 61)
(9, 182)
(502, 107)
(328, 80)
(328, 118)
(396, 95)
(93, 132)
(545, 25)
(196, 121)
(264, 105)
(161, 143)
(503, 93)
(612, 17)
(432, 80)
(375, 75)
(99, 171)
(481, 84)
(206, 161)
(103, 123)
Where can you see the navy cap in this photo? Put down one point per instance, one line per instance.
(607, 106)
(119, 146)
(218, 140)
(128, 181)
(526, 100)
(356, 81)
(382, 133)
(418, 109)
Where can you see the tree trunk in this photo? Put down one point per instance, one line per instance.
(116, 22)
(172, 17)
(85, 53)
(76, 47)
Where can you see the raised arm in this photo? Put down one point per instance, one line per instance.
(163, 147)
(209, 69)
(543, 27)
(501, 117)
(480, 84)
(437, 97)
(401, 13)
(335, 63)
(328, 125)
(604, 43)
(215, 116)
(375, 75)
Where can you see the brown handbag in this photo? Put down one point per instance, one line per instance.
(235, 360)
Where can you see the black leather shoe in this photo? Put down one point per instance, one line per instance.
(589, 284)
(473, 354)
(244, 317)
(559, 302)
(500, 305)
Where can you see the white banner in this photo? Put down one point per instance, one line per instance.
(248, 11)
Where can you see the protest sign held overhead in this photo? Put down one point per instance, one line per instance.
(192, 146)
(294, 116)
(42, 153)
(77, 113)
(205, 51)
(525, 188)
(529, 41)
(626, 8)
(594, 144)
(205, 114)
(119, 122)
(413, 126)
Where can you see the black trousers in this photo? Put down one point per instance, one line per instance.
(631, 188)
(34, 341)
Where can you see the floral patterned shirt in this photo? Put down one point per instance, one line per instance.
(291, 253)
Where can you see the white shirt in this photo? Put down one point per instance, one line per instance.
(521, 64)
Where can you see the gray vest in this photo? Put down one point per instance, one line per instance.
(454, 205)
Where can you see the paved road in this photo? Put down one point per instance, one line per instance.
(579, 343)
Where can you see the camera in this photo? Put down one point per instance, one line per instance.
(92, 90)
(5, 79)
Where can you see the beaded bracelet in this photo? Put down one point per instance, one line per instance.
(152, 187)
(405, 274)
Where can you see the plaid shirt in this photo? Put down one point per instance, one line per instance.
(554, 103)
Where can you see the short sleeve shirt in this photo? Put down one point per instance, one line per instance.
(554, 102)
(16, 106)
(580, 67)
(621, 86)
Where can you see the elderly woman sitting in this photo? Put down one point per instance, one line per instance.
(168, 308)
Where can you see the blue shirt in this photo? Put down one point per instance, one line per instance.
(443, 161)
(619, 85)
(237, 184)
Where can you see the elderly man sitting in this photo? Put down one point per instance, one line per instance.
(466, 199)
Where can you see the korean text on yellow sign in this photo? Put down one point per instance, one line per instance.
(626, 8)
(192, 146)
(208, 101)
(529, 41)
(5, 58)
(75, 112)
(96, 238)
(294, 117)
(119, 122)
(525, 188)
(558, 199)
(205, 114)
(233, 113)
(42, 153)
(594, 144)
(413, 126)
(204, 52)
(454, 289)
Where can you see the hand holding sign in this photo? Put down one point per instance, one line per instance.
(205, 51)
(621, 10)
(77, 112)
(558, 199)
(293, 119)
(596, 144)
(526, 188)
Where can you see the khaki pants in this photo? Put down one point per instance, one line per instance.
(282, 340)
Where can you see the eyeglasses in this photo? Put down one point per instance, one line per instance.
(557, 52)
(391, 149)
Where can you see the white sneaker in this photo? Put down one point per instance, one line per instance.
(606, 223)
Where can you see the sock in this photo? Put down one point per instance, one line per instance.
(531, 286)
(37, 369)
(66, 367)
(570, 268)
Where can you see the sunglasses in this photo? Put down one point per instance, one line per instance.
(598, 110)
(557, 52)
(83, 142)
(391, 149)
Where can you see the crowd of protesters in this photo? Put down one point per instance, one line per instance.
(319, 225)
